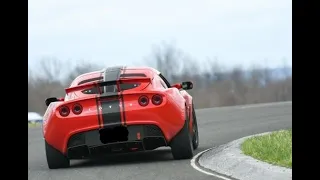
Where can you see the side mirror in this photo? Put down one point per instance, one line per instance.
(184, 85)
(187, 85)
(52, 99)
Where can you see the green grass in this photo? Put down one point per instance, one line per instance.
(31, 125)
(274, 148)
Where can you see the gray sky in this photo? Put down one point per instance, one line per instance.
(124, 31)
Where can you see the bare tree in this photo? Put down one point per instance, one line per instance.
(80, 68)
(49, 69)
(167, 59)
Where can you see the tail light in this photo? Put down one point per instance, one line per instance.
(77, 109)
(64, 111)
(143, 100)
(157, 99)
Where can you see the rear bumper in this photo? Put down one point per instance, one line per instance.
(140, 138)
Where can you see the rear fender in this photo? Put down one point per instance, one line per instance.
(176, 97)
(188, 99)
(48, 114)
(169, 116)
(57, 129)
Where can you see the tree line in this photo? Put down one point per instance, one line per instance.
(214, 86)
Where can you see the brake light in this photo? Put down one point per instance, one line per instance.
(77, 109)
(143, 100)
(64, 111)
(157, 99)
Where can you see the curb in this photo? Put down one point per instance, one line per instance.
(228, 162)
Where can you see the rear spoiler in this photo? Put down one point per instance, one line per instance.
(107, 83)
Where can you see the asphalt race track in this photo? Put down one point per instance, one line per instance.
(216, 126)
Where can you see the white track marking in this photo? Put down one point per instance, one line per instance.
(193, 164)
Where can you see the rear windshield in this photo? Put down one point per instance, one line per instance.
(112, 88)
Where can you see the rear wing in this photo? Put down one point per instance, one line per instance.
(107, 83)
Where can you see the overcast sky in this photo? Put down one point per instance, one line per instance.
(124, 31)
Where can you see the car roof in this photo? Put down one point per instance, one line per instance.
(148, 71)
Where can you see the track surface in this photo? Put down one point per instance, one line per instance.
(216, 126)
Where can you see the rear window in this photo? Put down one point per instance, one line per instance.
(133, 75)
(112, 88)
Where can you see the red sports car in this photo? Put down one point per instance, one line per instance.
(119, 110)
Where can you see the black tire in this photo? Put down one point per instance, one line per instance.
(195, 136)
(181, 144)
(55, 158)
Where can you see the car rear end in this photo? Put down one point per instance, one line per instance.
(135, 117)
